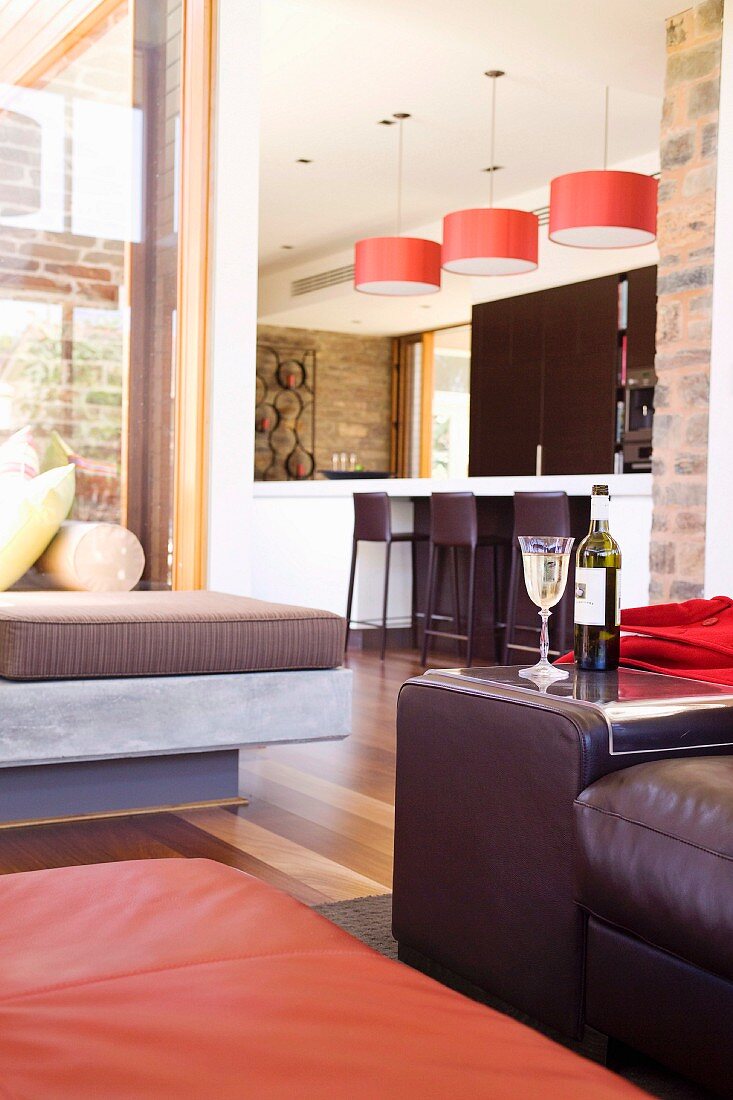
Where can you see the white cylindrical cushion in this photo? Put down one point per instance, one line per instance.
(93, 557)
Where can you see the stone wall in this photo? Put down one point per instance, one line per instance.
(684, 311)
(353, 392)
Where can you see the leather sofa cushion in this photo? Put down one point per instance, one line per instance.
(80, 635)
(655, 856)
(159, 979)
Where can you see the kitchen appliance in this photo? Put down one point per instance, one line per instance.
(638, 420)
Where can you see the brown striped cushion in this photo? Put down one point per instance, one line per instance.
(77, 635)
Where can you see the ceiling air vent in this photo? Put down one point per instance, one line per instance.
(323, 279)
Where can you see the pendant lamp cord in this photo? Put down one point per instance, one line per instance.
(492, 165)
(399, 177)
(605, 133)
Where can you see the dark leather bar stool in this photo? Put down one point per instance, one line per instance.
(373, 523)
(537, 514)
(454, 526)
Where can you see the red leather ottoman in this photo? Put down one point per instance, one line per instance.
(184, 978)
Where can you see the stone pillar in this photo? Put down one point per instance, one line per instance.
(684, 311)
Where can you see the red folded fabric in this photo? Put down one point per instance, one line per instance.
(693, 639)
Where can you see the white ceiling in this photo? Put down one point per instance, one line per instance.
(333, 68)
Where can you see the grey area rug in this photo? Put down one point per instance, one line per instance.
(370, 920)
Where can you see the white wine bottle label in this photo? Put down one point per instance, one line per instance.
(590, 596)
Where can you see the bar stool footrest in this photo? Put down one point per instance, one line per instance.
(446, 634)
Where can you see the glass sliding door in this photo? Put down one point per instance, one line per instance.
(431, 404)
(91, 227)
(451, 400)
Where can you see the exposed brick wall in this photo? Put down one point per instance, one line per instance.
(40, 266)
(684, 311)
(20, 164)
(36, 264)
(353, 392)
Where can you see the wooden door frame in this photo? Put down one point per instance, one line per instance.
(401, 386)
(190, 496)
(37, 67)
(403, 407)
(427, 385)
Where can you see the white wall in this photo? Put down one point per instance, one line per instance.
(302, 555)
(234, 295)
(718, 561)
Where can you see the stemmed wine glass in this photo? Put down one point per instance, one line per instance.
(546, 559)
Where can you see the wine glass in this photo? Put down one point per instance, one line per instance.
(546, 559)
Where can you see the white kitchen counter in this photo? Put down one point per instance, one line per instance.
(620, 485)
(303, 530)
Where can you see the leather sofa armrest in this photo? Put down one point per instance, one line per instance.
(621, 719)
(483, 871)
(484, 875)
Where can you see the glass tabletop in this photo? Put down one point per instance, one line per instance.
(602, 689)
(643, 711)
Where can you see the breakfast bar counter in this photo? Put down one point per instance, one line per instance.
(620, 485)
(303, 530)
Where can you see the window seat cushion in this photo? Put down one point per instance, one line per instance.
(82, 635)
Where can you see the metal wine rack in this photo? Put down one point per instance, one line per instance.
(285, 415)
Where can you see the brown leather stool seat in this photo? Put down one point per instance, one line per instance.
(655, 856)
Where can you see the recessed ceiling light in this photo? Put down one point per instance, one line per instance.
(493, 168)
(356, 322)
(304, 160)
(287, 247)
(425, 307)
(386, 122)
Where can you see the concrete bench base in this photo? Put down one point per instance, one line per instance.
(80, 747)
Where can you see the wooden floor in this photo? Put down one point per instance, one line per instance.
(319, 822)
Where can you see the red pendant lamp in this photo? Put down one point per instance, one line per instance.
(396, 266)
(603, 209)
(490, 241)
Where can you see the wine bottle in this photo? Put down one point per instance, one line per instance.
(598, 591)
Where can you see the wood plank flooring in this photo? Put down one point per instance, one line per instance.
(319, 823)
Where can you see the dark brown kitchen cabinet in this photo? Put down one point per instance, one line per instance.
(544, 373)
(506, 383)
(579, 378)
(579, 415)
(642, 319)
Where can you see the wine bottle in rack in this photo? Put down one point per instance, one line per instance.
(598, 591)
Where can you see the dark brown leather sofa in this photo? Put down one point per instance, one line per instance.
(577, 867)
